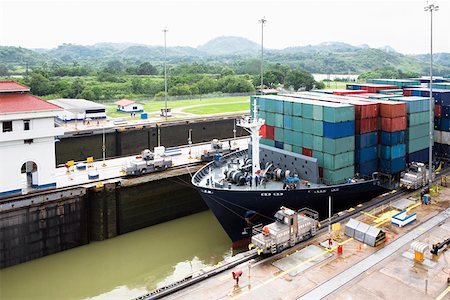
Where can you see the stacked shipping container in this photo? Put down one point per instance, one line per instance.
(318, 129)
(441, 118)
(417, 131)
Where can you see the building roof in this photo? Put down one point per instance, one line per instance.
(14, 103)
(77, 104)
(125, 102)
(12, 86)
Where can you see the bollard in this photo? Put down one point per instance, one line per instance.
(339, 249)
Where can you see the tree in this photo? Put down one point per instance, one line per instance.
(77, 87)
(146, 68)
(136, 85)
(114, 67)
(4, 70)
(39, 84)
(299, 79)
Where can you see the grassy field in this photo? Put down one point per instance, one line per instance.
(205, 106)
(218, 108)
(336, 85)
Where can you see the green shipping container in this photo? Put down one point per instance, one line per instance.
(270, 118)
(317, 143)
(270, 105)
(288, 136)
(319, 156)
(307, 111)
(418, 131)
(418, 118)
(262, 115)
(338, 161)
(279, 120)
(298, 139)
(297, 149)
(318, 128)
(336, 146)
(417, 144)
(279, 134)
(297, 123)
(307, 140)
(267, 142)
(338, 176)
(338, 113)
(318, 112)
(297, 109)
(288, 108)
(307, 126)
(287, 147)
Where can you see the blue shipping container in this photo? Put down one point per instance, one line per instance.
(392, 166)
(445, 124)
(366, 140)
(287, 122)
(446, 111)
(363, 155)
(437, 123)
(367, 168)
(441, 150)
(279, 145)
(392, 152)
(418, 156)
(393, 138)
(338, 130)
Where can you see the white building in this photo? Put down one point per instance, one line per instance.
(27, 139)
(79, 109)
(129, 106)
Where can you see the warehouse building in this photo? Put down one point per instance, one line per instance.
(79, 109)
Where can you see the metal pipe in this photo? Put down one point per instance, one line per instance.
(262, 21)
(165, 72)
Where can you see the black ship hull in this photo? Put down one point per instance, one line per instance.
(238, 210)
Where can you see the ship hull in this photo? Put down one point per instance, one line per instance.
(238, 210)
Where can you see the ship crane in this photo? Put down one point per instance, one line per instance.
(252, 125)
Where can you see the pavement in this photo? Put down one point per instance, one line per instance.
(360, 272)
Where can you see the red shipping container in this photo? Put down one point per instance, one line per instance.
(407, 92)
(365, 110)
(366, 125)
(267, 132)
(348, 92)
(437, 110)
(392, 109)
(307, 152)
(393, 124)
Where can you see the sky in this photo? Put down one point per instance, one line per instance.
(401, 24)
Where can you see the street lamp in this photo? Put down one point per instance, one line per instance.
(431, 8)
(262, 21)
(165, 72)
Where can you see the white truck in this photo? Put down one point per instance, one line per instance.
(147, 162)
(415, 177)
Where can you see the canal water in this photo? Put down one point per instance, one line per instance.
(124, 267)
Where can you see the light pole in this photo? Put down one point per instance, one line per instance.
(165, 72)
(104, 148)
(431, 8)
(190, 143)
(262, 21)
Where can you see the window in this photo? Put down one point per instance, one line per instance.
(29, 141)
(134, 107)
(7, 126)
(26, 124)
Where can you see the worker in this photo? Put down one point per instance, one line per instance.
(422, 193)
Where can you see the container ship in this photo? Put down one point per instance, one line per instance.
(313, 149)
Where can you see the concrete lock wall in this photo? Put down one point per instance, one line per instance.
(37, 230)
(128, 141)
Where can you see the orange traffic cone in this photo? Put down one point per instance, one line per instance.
(359, 247)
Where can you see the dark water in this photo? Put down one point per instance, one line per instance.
(124, 267)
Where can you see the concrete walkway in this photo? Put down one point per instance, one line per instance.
(337, 282)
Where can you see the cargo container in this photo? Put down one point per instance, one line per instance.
(417, 144)
(279, 134)
(367, 168)
(279, 145)
(338, 161)
(366, 125)
(338, 130)
(336, 146)
(400, 83)
(307, 151)
(415, 132)
(392, 138)
(414, 104)
(366, 140)
(338, 176)
(392, 152)
(393, 124)
(363, 155)
(418, 118)
(392, 166)
(267, 142)
(418, 156)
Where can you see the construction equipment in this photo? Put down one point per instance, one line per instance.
(436, 247)
(217, 147)
(147, 162)
(415, 177)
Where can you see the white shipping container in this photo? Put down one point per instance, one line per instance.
(438, 136)
(445, 138)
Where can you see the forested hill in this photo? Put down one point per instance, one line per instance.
(330, 57)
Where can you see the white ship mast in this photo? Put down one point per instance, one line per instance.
(252, 125)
